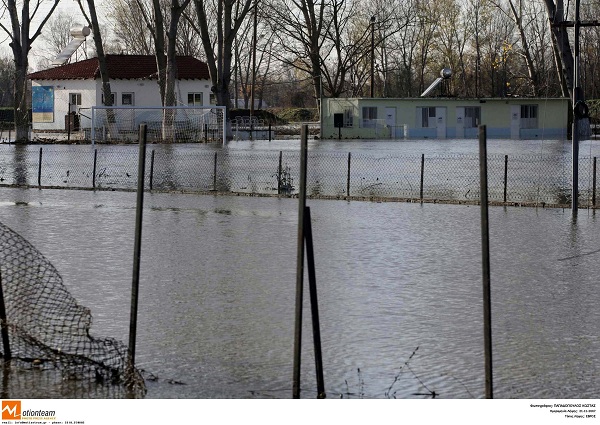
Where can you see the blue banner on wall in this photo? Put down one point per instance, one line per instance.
(42, 103)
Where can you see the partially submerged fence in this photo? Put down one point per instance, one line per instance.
(523, 179)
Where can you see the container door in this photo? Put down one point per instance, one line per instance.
(440, 116)
(390, 120)
(460, 122)
(515, 121)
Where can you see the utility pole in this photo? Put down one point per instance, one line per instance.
(372, 56)
(580, 109)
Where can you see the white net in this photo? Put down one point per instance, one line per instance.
(175, 124)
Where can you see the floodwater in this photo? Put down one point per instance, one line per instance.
(399, 286)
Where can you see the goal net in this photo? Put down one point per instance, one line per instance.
(169, 124)
(44, 328)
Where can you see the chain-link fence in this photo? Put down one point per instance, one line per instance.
(524, 179)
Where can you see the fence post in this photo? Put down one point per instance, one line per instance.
(485, 251)
(279, 171)
(314, 303)
(300, 265)
(135, 280)
(269, 131)
(422, 176)
(348, 177)
(6, 354)
(594, 184)
(215, 174)
(40, 170)
(505, 176)
(151, 169)
(94, 169)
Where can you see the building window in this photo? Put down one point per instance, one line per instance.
(369, 116)
(74, 102)
(127, 99)
(424, 118)
(348, 118)
(113, 97)
(75, 99)
(529, 116)
(195, 99)
(472, 116)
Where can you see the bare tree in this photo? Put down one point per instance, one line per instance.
(7, 73)
(91, 17)
(228, 16)
(563, 55)
(21, 41)
(129, 26)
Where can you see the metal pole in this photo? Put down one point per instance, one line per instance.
(300, 264)
(594, 184)
(151, 169)
(40, 169)
(422, 176)
(505, 176)
(215, 174)
(314, 303)
(6, 354)
(135, 281)
(348, 178)
(576, 98)
(69, 122)
(280, 170)
(94, 169)
(93, 132)
(485, 250)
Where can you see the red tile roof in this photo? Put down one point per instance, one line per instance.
(123, 67)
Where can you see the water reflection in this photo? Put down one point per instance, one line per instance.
(218, 275)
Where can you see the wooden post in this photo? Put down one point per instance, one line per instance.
(135, 281)
(300, 264)
(485, 250)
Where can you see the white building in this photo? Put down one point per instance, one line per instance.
(77, 87)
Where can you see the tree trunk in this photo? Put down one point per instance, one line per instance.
(159, 50)
(560, 39)
(532, 72)
(20, 44)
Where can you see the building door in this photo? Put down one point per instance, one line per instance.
(440, 117)
(515, 121)
(390, 120)
(460, 122)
